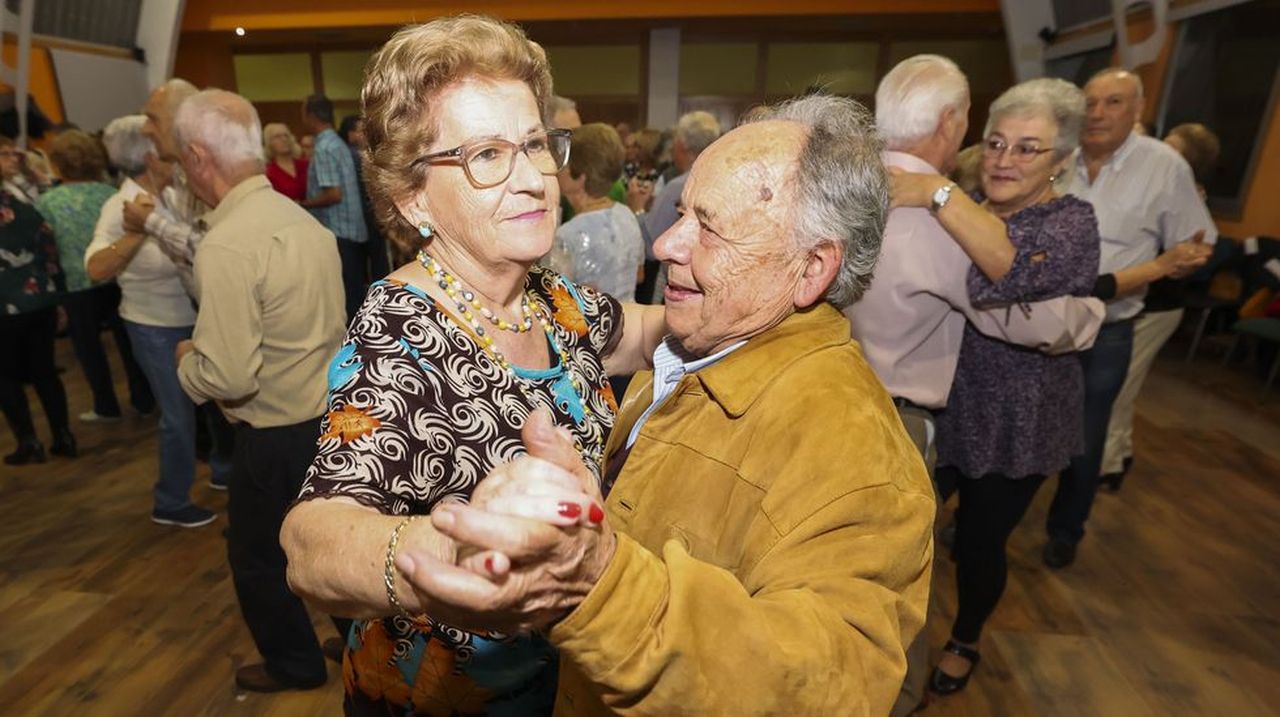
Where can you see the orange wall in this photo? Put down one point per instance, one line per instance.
(292, 14)
(43, 83)
(1261, 215)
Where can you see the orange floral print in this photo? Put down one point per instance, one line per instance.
(349, 424)
(566, 311)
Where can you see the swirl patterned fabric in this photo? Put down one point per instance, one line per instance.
(418, 413)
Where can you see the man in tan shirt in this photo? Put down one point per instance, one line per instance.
(269, 286)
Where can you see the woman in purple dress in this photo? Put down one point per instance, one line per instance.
(1014, 414)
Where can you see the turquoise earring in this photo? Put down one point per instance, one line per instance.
(426, 230)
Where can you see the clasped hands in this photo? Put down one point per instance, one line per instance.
(527, 549)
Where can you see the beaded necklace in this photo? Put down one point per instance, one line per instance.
(453, 288)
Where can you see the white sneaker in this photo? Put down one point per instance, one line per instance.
(91, 417)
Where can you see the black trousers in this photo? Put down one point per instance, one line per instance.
(990, 508)
(87, 311)
(266, 475)
(362, 264)
(27, 357)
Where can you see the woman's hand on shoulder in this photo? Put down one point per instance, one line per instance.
(912, 189)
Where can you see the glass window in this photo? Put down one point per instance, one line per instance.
(1225, 70)
(718, 68)
(595, 70)
(343, 73)
(843, 68)
(274, 77)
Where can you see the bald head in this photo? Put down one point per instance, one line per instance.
(1113, 105)
(160, 109)
(1120, 76)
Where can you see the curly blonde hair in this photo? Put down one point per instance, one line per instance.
(401, 83)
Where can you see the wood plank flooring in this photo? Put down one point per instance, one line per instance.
(1173, 607)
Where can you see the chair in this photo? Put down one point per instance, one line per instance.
(1216, 285)
(1263, 329)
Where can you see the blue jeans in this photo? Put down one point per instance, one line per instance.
(1105, 367)
(153, 348)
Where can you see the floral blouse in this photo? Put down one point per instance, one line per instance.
(30, 275)
(419, 413)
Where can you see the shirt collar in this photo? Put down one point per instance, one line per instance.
(737, 380)
(1116, 159)
(909, 162)
(670, 359)
(235, 196)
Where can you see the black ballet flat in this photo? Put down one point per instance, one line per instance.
(940, 683)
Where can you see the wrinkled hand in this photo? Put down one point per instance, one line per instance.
(531, 545)
(136, 213)
(639, 194)
(910, 189)
(1185, 257)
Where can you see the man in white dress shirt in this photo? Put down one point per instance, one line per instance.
(1146, 201)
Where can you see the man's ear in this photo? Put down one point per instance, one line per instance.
(821, 267)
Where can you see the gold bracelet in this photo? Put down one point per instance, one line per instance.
(389, 567)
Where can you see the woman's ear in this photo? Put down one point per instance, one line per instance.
(414, 210)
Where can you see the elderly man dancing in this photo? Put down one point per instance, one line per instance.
(767, 537)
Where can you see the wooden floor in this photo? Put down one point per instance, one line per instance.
(1173, 607)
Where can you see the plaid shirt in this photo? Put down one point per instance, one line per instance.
(331, 166)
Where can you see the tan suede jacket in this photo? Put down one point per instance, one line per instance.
(774, 547)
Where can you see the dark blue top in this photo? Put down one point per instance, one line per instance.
(1013, 410)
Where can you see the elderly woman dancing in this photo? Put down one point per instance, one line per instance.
(1014, 416)
(157, 314)
(447, 359)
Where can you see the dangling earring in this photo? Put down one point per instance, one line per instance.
(426, 230)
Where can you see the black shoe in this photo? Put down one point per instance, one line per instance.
(940, 683)
(1111, 480)
(1059, 554)
(29, 451)
(64, 445)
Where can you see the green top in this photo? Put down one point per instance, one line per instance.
(30, 278)
(618, 193)
(72, 212)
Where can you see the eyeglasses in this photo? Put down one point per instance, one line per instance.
(488, 162)
(1022, 152)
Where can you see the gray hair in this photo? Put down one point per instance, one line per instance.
(559, 104)
(1056, 99)
(842, 188)
(127, 147)
(913, 96)
(697, 130)
(225, 124)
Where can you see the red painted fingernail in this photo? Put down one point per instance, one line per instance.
(570, 510)
(595, 514)
(488, 563)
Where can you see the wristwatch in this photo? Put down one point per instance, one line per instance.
(941, 197)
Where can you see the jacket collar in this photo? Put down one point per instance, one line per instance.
(736, 381)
